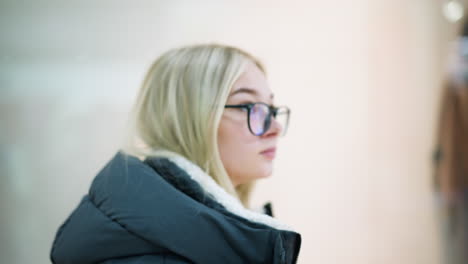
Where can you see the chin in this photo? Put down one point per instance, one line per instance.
(264, 173)
(267, 172)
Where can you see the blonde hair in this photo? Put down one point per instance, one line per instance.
(180, 104)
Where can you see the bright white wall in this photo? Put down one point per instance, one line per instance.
(362, 79)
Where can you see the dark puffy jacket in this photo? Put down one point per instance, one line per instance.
(167, 210)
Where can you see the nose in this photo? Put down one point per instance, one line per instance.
(275, 129)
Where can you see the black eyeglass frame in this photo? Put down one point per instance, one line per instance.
(272, 111)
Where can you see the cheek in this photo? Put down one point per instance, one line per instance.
(235, 139)
(239, 151)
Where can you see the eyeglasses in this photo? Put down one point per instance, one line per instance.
(259, 117)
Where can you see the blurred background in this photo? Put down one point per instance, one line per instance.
(365, 81)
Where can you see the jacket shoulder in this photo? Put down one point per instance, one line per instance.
(122, 175)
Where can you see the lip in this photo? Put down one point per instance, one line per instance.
(269, 153)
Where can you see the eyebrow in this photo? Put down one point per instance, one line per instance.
(249, 91)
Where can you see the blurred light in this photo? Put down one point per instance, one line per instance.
(453, 10)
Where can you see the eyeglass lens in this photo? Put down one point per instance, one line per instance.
(260, 119)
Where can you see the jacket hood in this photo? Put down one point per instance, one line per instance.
(168, 205)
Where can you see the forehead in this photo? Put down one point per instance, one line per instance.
(251, 82)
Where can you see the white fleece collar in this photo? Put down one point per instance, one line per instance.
(229, 202)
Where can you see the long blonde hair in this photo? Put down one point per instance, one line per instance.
(180, 104)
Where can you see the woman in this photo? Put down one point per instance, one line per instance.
(205, 130)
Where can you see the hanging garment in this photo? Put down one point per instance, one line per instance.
(451, 159)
